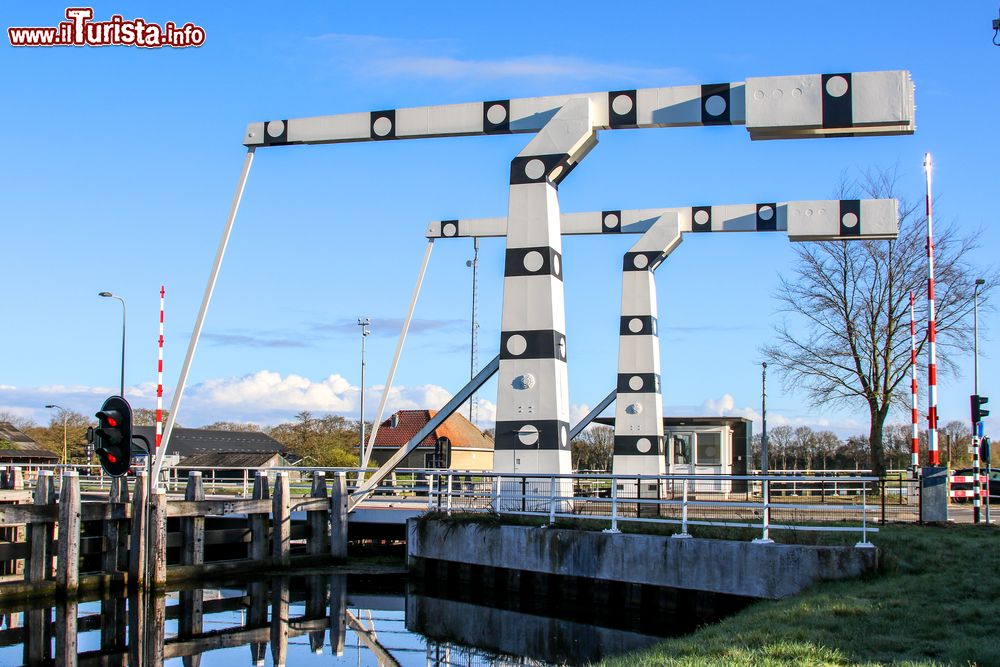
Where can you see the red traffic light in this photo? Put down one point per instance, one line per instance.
(113, 436)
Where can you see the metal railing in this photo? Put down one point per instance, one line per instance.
(837, 502)
(683, 500)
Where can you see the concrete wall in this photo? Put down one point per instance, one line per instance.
(722, 566)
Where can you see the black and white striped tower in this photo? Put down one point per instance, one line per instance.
(532, 428)
(638, 446)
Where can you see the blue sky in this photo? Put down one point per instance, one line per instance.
(140, 150)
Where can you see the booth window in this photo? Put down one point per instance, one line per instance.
(709, 449)
(682, 448)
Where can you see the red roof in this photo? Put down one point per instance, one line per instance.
(458, 429)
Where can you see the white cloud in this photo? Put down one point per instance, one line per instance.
(524, 67)
(394, 58)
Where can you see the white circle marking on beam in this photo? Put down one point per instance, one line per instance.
(836, 86)
(382, 126)
(275, 128)
(533, 261)
(528, 434)
(496, 114)
(715, 105)
(622, 104)
(517, 344)
(534, 169)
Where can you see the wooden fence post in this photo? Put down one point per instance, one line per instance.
(258, 522)
(17, 533)
(338, 517)
(16, 481)
(40, 534)
(137, 543)
(158, 538)
(319, 522)
(193, 528)
(68, 571)
(281, 516)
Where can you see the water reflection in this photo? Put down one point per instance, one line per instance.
(320, 619)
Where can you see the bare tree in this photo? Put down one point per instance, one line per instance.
(849, 342)
(802, 445)
(16, 420)
(956, 436)
(779, 443)
(825, 445)
(593, 449)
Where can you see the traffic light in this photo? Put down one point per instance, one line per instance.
(977, 408)
(113, 436)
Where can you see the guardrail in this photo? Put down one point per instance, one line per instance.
(783, 501)
(684, 500)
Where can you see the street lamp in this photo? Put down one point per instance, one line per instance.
(113, 296)
(365, 331)
(763, 418)
(63, 411)
(975, 340)
(975, 384)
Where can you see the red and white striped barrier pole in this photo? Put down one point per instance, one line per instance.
(932, 440)
(159, 377)
(915, 410)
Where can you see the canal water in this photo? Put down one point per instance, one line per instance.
(325, 618)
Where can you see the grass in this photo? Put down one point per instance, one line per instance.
(935, 600)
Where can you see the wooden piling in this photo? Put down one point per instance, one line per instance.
(193, 528)
(258, 522)
(279, 610)
(136, 629)
(38, 635)
(157, 621)
(115, 557)
(315, 608)
(319, 522)
(68, 571)
(40, 534)
(66, 613)
(158, 538)
(257, 616)
(137, 545)
(281, 516)
(192, 608)
(338, 617)
(338, 517)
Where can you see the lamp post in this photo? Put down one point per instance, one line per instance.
(63, 411)
(364, 323)
(975, 390)
(113, 296)
(763, 418)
